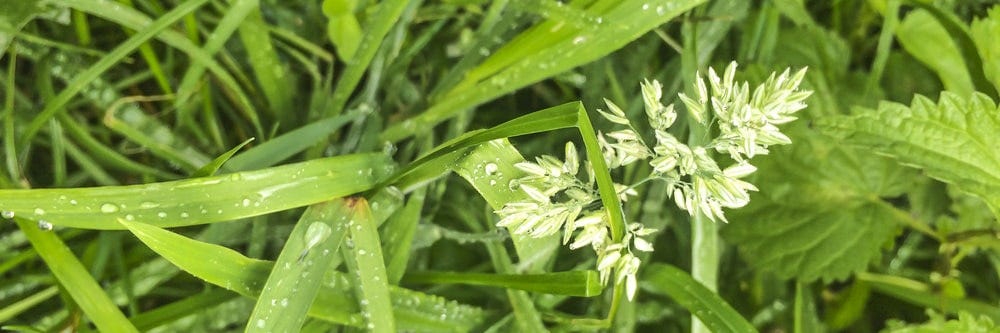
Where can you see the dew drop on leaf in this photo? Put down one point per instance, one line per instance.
(316, 233)
(44, 225)
(39, 211)
(7, 214)
(490, 168)
(109, 208)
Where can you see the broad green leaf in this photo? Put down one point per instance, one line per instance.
(572, 283)
(201, 200)
(952, 140)
(985, 33)
(818, 213)
(549, 48)
(712, 310)
(298, 272)
(75, 278)
(335, 301)
(927, 40)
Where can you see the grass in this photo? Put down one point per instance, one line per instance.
(337, 166)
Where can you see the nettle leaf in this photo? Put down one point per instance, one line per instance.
(818, 213)
(953, 140)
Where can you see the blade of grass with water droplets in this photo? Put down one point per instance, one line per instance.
(75, 279)
(364, 258)
(202, 200)
(335, 301)
(298, 272)
(572, 283)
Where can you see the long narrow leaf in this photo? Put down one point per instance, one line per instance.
(663, 279)
(202, 200)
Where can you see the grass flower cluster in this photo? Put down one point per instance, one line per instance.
(746, 124)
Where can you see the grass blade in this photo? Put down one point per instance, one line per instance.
(202, 200)
(113, 57)
(365, 259)
(572, 283)
(712, 310)
(284, 146)
(212, 167)
(292, 285)
(75, 279)
(381, 21)
(335, 300)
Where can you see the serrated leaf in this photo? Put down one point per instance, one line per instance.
(953, 140)
(818, 212)
(985, 33)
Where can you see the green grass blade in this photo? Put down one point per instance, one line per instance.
(335, 301)
(398, 234)
(202, 200)
(284, 146)
(188, 306)
(223, 31)
(75, 279)
(135, 20)
(554, 54)
(212, 167)
(270, 72)
(365, 259)
(11, 310)
(572, 283)
(113, 57)
(918, 293)
(134, 124)
(712, 310)
(534, 253)
(557, 117)
(298, 272)
(380, 22)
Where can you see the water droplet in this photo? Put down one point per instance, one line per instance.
(39, 211)
(109, 208)
(161, 214)
(260, 323)
(362, 252)
(72, 202)
(284, 302)
(7, 214)
(130, 217)
(579, 40)
(184, 215)
(316, 233)
(44, 225)
(491, 168)
(493, 182)
(246, 202)
(645, 6)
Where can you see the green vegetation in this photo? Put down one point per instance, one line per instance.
(500, 166)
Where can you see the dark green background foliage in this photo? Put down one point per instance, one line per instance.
(325, 133)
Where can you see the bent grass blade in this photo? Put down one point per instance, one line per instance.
(201, 200)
